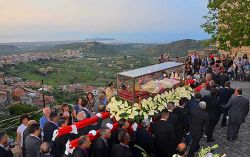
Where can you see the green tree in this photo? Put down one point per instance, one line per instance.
(228, 22)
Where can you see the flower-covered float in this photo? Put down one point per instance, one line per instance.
(148, 107)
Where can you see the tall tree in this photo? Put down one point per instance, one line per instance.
(228, 22)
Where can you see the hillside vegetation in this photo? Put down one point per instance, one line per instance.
(177, 48)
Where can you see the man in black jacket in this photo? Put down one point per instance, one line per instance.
(172, 117)
(164, 136)
(100, 147)
(122, 149)
(26, 132)
(3, 142)
(144, 140)
(213, 109)
(224, 96)
(197, 64)
(50, 127)
(213, 74)
(182, 123)
(199, 118)
(123, 124)
(222, 78)
(238, 110)
(83, 144)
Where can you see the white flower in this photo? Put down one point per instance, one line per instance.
(150, 106)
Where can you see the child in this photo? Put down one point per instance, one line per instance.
(230, 72)
(197, 78)
(202, 71)
(241, 72)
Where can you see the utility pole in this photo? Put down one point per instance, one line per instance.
(43, 95)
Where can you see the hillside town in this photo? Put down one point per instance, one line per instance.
(14, 90)
(34, 56)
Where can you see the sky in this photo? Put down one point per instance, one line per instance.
(144, 21)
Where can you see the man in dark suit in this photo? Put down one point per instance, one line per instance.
(197, 64)
(33, 142)
(164, 136)
(224, 96)
(144, 140)
(213, 74)
(83, 144)
(3, 142)
(123, 124)
(213, 109)
(199, 118)
(26, 132)
(50, 127)
(238, 109)
(222, 78)
(100, 147)
(194, 101)
(172, 117)
(182, 123)
(122, 149)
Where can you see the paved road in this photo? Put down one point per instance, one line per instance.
(240, 147)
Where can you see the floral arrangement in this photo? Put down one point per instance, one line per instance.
(149, 107)
(206, 152)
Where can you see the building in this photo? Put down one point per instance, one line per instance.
(17, 93)
(36, 99)
(5, 96)
(2, 77)
(29, 98)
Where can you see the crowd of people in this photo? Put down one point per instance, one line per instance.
(233, 67)
(175, 132)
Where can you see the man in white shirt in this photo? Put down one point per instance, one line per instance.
(24, 119)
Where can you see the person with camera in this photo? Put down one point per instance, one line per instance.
(4, 152)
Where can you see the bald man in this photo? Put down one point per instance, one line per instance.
(45, 118)
(45, 150)
(81, 116)
(181, 150)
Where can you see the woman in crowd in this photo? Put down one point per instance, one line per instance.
(236, 65)
(245, 60)
(218, 59)
(110, 91)
(223, 60)
(78, 107)
(188, 66)
(91, 102)
(66, 113)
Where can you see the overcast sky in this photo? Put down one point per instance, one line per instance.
(151, 21)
